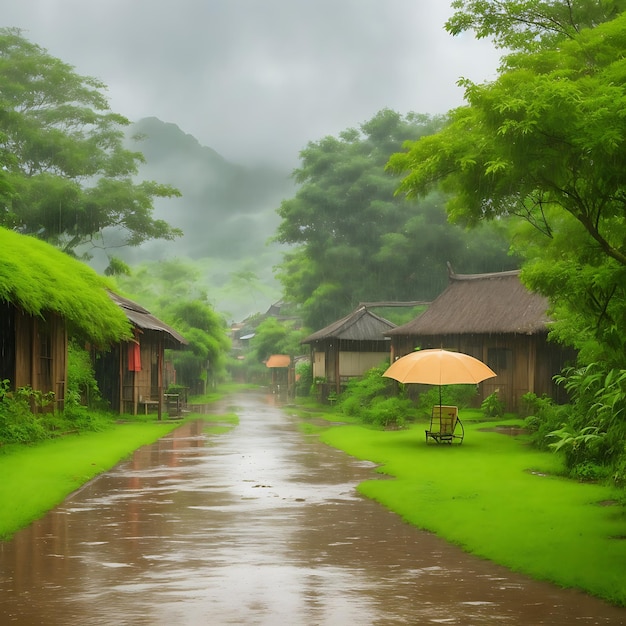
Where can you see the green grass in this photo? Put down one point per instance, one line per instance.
(37, 478)
(223, 390)
(500, 499)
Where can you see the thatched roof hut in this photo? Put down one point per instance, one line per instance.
(38, 278)
(360, 325)
(494, 303)
(131, 374)
(496, 319)
(46, 295)
(349, 347)
(144, 320)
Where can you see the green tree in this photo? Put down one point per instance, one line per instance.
(528, 25)
(546, 143)
(157, 284)
(66, 175)
(204, 360)
(355, 240)
(275, 337)
(544, 148)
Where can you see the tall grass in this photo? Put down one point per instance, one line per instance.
(500, 499)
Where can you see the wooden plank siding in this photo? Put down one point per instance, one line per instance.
(34, 352)
(494, 318)
(130, 390)
(349, 347)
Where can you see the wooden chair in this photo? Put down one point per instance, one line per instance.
(444, 425)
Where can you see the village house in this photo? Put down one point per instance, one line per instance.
(45, 295)
(34, 351)
(348, 348)
(496, 319)
(132, 375)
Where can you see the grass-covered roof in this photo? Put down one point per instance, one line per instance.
(37, 277)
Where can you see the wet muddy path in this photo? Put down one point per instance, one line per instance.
(257, 525)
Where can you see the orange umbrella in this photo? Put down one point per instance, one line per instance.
(439, 367)
(278, 360)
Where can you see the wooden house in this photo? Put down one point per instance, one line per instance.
(131, 375)
(348, 348)
(46, 296)
(33, 351)
(496, 319)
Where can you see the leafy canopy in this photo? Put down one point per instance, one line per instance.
(529, 25)
(174, 291)
(546, 142)
(66, 175)
(356, 240)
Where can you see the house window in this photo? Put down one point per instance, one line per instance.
(499, 359)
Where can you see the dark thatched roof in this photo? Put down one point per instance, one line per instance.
(360, 325)
(496, 303)
(143, 319)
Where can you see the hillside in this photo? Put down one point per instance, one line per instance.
(227, 213)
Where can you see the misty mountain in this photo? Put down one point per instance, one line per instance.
(227, 210)
(227, 213)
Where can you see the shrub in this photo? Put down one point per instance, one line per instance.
(389, 412)
(452, 395)
(304, 376)
(373, 399)
(82, 388)
(18, 424)
(595, 428)
(492, 406)
(543, 417)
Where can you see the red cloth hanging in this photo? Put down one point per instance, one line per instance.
(134, 356)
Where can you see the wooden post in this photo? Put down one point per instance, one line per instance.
(120, 371)
(160, 377)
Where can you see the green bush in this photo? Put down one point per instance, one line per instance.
(82, 388)
(492, 406)
(389, 412)
(543, 417)
(18, 424)
(367, 387)
(594, 430)
(373, 399)
(460, 396)
(304, 382)
(589, 472)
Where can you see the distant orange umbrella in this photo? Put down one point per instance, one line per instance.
(278, 360)
(439, 367)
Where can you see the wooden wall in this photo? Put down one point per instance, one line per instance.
(337, 360)
(136, 391)
(523, 363)
(39, 355)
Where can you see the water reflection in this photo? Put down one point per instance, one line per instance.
(256, 526)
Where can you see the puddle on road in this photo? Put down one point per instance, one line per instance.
(262, 526)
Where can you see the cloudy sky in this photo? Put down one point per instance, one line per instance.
(257, 79)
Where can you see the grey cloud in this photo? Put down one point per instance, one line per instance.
(257, 79)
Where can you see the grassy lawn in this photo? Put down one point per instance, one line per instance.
(36, 478)
(497, 498)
